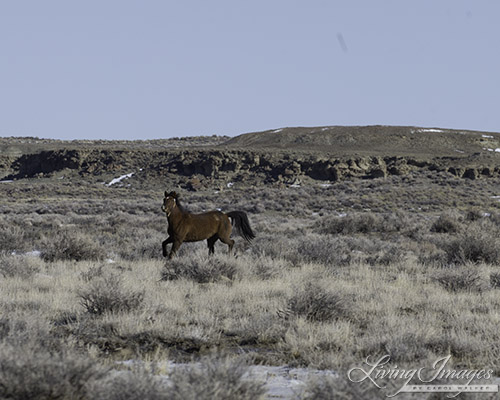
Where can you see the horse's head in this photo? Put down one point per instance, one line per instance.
(169, 203)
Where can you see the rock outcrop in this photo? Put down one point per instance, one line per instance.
(234, 165)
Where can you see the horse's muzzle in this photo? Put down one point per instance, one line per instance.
(163, 208)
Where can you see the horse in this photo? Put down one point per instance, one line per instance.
(184, 226)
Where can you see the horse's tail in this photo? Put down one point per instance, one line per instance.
(240, 221)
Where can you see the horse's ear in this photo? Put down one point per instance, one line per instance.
(174, 194)
(166, 194)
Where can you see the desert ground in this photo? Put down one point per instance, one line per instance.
(358, 253)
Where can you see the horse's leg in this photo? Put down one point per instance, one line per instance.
(230, 242)
(211, 243)
(225, 234)
(164, 245)
(175, 247)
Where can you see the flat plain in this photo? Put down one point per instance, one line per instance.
(360, 251)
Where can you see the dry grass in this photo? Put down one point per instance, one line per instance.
(314, 289)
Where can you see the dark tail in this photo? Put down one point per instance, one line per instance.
(240, 221)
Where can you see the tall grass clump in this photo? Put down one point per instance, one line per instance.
(107, 294)
(21, 266)
(11, 237)
(321, 249)
(214, 378)
(34, 373)
(341, 387)
(495, 280)
(131, 385)
(315, 303)
(462, 279)
(70, 245)
(200, 269)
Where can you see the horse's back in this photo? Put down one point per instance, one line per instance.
(205, 225)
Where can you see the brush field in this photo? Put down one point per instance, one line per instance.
(404, 265)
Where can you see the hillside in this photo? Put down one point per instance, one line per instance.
(282, 156)
(372, 141)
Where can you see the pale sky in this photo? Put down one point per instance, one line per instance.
(122, 69)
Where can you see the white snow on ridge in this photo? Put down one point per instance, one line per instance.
(276, 130)
(487, 136)
(116, 180)
(430, 130)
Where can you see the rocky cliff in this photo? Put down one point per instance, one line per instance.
(255, 158)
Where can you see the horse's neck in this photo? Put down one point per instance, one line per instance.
(176, 214)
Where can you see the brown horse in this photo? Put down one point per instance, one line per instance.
(186, 227)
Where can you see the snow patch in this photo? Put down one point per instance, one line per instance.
(487, 136)
(280, 382)
(116, 180)
(230, 184)
(7, 181)
(33, 253)
(276, 130)
(430, 130)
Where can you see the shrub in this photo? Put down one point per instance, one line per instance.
(355, 223)
(92, 273)
(316, 304)
(72, 246)
(446, 224)
(27, 373)
(319, 389)
(214, 379)
(198, 269)
(391, 254)
(272, 246)
(11, 238)
(130, 385)
(479, 243)
(434, 257)
(465, 279)
(21, 266)
(107, 295)
(341, 387)
(322, 249)
(474, 215)
(140, 243)
(267, 268)
(495, 280)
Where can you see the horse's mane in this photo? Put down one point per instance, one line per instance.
(177, 201)
(179, 204)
